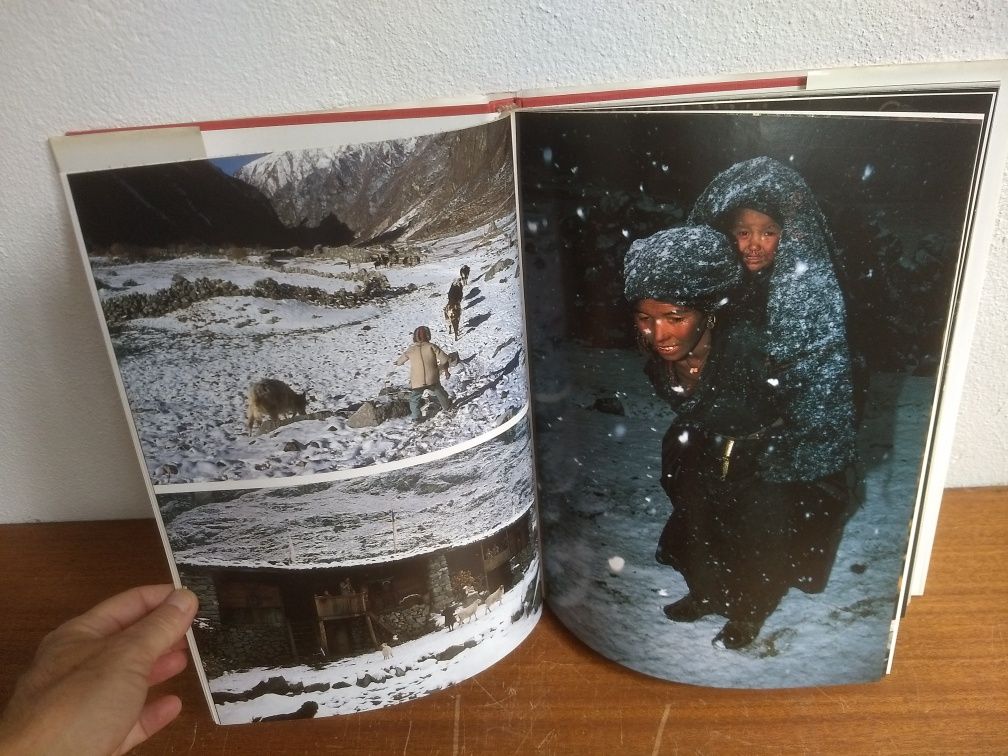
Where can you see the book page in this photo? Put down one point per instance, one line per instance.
(321, 354)
(741, 317)
(766, 91)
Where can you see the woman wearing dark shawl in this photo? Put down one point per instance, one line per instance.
(744, 526)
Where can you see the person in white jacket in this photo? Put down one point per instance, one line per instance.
(427, 362)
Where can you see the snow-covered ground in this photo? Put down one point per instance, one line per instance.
(603, 509)
(186, 373)
(453, 502)
(370, 681)
(449, 503)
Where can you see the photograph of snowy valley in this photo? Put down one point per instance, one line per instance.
(313, 269)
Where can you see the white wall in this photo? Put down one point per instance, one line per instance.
(64, 449)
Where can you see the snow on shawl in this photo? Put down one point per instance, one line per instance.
(805, 319)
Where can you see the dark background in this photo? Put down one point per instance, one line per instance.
(895, 191)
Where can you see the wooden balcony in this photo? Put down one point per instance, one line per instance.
(340, 607)
(493, 561)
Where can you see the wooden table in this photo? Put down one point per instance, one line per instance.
(948, 691)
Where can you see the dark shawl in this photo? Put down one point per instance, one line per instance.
(806, 338)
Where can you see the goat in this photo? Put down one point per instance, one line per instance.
(464, 274)
(495, 597)
(273, 398)
(453, 310)
(467, 611)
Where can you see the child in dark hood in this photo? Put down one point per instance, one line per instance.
(756, 237)
(742, 529)
(792, 290)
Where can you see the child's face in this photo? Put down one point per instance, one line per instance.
(756, 238)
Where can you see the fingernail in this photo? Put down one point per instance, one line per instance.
(182, 599)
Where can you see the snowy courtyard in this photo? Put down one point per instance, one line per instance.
(414, 668)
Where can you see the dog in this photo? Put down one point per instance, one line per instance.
(386, 651)
(464, 274)
(275, 399)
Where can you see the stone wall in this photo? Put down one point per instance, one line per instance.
(242, 646)
(439, 582)
(203, 586)
(408, 624)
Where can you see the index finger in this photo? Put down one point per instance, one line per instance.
(120, 611)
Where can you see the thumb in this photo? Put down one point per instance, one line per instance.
(156, 633)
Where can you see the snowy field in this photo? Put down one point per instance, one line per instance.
(370, 681)
(186, 373)
(446, 504)
(603, 509)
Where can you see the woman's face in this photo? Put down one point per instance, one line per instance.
(756, 238)
(671, 330)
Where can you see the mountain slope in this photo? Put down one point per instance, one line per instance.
(418, 188)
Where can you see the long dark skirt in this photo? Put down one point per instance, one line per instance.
(742, 542)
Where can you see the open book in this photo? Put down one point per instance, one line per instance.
(680, 360)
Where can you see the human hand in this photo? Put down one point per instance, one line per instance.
(86, 690)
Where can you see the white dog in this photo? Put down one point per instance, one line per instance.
(386, 651)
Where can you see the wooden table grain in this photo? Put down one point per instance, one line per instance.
(948, 691)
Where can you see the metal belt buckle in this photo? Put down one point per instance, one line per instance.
(726, 457)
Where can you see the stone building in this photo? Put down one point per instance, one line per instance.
(262, 616)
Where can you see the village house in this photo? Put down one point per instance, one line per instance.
(266, 616)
